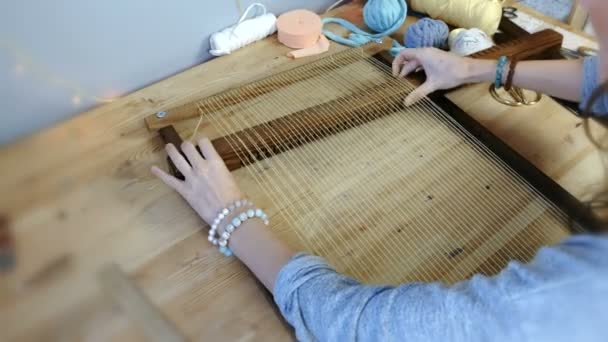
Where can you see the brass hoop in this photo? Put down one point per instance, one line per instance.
(518, 97)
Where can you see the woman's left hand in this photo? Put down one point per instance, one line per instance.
(208, 186)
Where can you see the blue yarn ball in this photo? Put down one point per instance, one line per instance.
(382, 15)
(427, 32)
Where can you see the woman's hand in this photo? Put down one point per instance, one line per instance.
(208, 186)
(443, 70)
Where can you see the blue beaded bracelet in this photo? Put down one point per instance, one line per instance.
(502, 61)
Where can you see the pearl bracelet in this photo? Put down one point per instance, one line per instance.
(235, 223)
(223, 214)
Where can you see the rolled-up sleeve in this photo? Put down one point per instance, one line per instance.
(323, 305)
(591, 81)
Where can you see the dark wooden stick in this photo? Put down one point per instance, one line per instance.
(313, 123)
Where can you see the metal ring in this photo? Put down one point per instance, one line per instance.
(514, 102)
(587, 51)
(509, 12)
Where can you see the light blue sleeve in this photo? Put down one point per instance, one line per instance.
(323, 305)
(590, 83)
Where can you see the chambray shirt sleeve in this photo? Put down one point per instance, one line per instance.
(590, 83)
(522, 302)
(323, 305)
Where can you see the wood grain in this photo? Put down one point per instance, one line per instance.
(129, 298)
(191, 110)
(82, 190)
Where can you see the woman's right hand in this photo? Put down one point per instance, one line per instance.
(208, 186)
(443, 70)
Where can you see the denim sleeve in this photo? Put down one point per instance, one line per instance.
(323, 305)
(590, 83)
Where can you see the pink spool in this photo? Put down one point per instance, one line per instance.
(299, 29)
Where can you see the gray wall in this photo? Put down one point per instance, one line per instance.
(57, 56)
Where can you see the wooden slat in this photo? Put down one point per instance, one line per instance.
(137, 306)
(578, 16)
(543, 44)
(190, 110)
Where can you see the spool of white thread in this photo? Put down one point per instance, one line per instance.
(245, 32)
(467, 42)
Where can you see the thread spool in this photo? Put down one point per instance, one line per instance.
(244, 32)
(427, 33)
(465, 42)
(482, 14)
(299, 29)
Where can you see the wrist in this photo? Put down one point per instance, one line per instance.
(479, 70)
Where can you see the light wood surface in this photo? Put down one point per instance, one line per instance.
(79, 196)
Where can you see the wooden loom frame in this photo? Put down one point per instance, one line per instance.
(513, 42)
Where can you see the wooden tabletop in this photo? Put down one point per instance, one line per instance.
(79, 196)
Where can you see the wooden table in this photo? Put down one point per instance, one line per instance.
(79, 196)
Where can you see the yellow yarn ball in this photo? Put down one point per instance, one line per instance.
(483, 14)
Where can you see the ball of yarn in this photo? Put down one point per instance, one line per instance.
(467, 42)
(427, 33)
(483, 14)
(383, 16)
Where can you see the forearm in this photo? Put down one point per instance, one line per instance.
(260, 250)
(562, 79)
(324, 305)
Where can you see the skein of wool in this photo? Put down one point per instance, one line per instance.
(482, 14)
(467, 42)
(383, 16)
(427, 33)
(245, 32)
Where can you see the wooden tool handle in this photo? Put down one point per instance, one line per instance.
(544, 44)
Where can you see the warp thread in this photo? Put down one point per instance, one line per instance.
(383, 16)
(244, 32)
(483, 14)
(467, 42)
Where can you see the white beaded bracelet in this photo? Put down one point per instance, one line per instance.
(223, 214)
(237, 222)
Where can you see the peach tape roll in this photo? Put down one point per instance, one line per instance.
(299, 29)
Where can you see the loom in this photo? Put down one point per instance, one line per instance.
(387, 193)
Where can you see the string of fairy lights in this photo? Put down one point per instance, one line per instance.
(25, 65)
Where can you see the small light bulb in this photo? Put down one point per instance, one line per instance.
(76, 100)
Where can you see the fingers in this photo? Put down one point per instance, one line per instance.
(179, 160)
(171, 181)
(420, 92)
(195, 158)
(408, 67)
(208, 150)
(404, 56)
